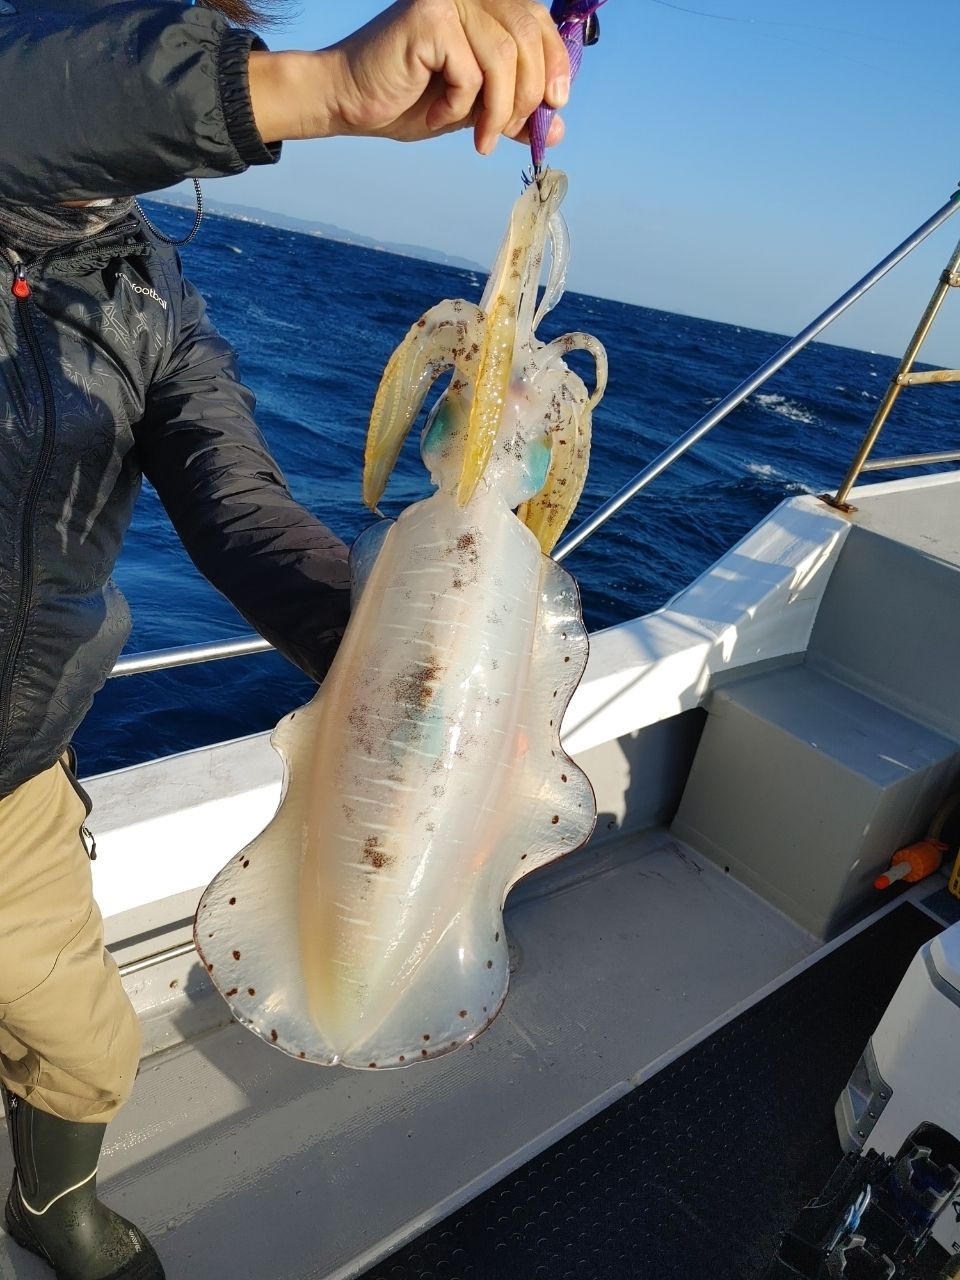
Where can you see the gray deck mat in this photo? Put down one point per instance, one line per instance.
(699, 1171)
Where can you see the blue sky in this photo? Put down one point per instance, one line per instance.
(744, 160)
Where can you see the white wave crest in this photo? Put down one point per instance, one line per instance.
(778, 404)
(764, 471)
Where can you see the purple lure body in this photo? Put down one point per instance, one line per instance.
(571, 17)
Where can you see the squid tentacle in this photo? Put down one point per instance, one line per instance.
(529, 314)
(559, 261)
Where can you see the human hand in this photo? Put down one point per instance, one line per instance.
(420, 68)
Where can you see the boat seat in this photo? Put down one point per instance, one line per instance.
(810, 776)
(889, 624)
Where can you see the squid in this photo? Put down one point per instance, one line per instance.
(364, 926)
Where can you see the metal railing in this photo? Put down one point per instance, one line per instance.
(903, 377)
(189, 655)
(158, 958)
(755, 381)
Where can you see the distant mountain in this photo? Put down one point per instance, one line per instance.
(267, 217)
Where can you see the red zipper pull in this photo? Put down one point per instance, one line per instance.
(20, 288)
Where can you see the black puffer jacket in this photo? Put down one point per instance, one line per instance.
(109, 369)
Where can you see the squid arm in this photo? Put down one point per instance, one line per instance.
(443, 338)
(547, 514)
(554, 352)
(502, 302)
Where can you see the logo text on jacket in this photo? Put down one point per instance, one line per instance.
(144, 290)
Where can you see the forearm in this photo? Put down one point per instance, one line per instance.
(280, 567)
(291, 95)
(277, 564)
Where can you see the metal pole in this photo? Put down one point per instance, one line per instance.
(160, 957)
(756, 379)
(166, 659)
(948, 280)
(912, 460)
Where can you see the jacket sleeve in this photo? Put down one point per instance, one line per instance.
(128, 99)
(200, 448)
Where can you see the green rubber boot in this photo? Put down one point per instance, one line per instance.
(53, 1209)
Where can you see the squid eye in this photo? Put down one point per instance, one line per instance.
(591, 30)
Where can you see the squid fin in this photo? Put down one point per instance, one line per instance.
(245, 927)
(470, 966)
(555, 800)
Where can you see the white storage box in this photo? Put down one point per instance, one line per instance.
(910, 1072)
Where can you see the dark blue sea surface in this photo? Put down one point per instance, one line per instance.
(314, 322)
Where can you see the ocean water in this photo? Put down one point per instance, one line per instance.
(314, 322)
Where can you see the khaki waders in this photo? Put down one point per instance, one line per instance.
(69, 1037)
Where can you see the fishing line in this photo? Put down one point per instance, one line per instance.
(765, 22)
(721, 17)
(796, 26)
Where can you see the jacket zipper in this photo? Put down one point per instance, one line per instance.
(21, 291)
(114, 236)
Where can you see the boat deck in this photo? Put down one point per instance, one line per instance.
(698, 1171)
(241, 1162)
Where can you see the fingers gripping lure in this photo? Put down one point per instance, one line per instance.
(579, 26)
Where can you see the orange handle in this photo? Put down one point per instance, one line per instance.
(922, 859)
